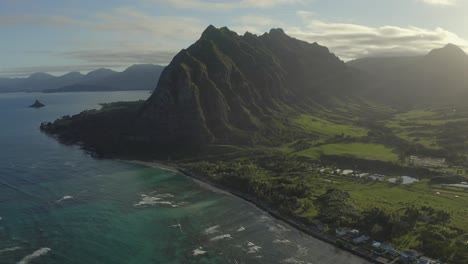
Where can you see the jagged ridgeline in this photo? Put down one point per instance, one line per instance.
(223, 89)
(228, 88)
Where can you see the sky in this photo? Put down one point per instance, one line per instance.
(59, 36)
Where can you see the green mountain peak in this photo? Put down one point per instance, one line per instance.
(225, 87)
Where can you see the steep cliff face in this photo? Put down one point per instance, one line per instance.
(226, 86)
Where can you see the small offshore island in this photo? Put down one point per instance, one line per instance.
(37, 104)
(320, 143)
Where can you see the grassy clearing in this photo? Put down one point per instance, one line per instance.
(357, 150)
(423, 126)
(394, 198)
(321, 126)
(391, 197)
(417, 126)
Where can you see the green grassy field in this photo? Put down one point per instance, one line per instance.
(424, 126)
(324, 127)
(356, 150)
(393, 197)
(416, 126)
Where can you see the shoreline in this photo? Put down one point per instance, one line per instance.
(214, 186)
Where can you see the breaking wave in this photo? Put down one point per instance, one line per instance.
(66, 197)
(199, 251)
(9, 249)
(156, 200)
(34, 255)
(221, 237)
(212, 230)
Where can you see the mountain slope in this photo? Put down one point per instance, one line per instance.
(226, 86)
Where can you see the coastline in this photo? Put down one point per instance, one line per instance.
(214, 186)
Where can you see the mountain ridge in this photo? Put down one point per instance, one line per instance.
(139, 77)
(225, 86)
(437, 77)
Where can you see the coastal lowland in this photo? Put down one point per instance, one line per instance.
(323, 144)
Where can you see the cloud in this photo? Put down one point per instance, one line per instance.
(58, 21)
(254, 24)
(110, 57)
(305, 14)
(255, 20)
(351, 41)
(440, 2)
(230, 4)
(134, 22)
(127, 36)
(123, 21)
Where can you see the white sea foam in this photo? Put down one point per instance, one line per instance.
(253, 248)
(165, 195)
(34, 255)
(155, 200)
(279, 241)
(199, 251)
(148, 200)
(9, 249)
(293, 261)
(221, 237)
(277, 229)
(263, 219)
(179, 226)
(241, 229)
(66, 197)
(212, 230)
(302, 251)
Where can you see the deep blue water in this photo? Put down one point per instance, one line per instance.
(58, 205)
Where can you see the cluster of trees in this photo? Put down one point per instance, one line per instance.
(335, 208)
(248, 177)
(430, 227)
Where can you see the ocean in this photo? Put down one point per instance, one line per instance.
(59, 205)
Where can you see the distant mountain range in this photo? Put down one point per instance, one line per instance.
(440, 77)
(136, 77)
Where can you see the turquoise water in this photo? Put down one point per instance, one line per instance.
(61, 206)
